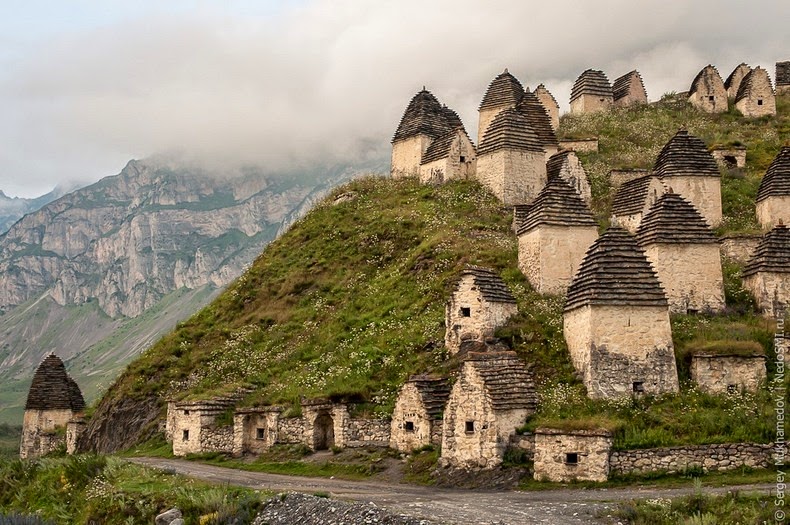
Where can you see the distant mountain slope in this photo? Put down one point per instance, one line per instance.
(14, 208)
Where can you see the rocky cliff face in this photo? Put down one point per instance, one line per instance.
(14, 208)
(129, 239)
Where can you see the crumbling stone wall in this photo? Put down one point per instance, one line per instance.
(718, 374)
(590, 103)
(588, 145)
(618, 177)
(703, 192)
(74, 430)
(195, 431)
(773, 209)
(622, 350)
(672, 460)
(407, 155)
(550, 255)
(771, 291)
(734, 157)
(690, 275)
(367, 433)
(739, 248)
(564, 456)
(254, 432)
(291, 430)
(41, 431)
(514, 176)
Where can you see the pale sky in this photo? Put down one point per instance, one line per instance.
(87, 85)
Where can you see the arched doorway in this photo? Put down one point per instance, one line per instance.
(323, 432)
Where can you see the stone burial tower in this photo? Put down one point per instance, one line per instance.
(540, 122)
(767, 274)
(755, 97)
(707, 92)
(504, 92)
(591, 92)
(773, 197)
(633, 199)
(616, 321)
(629, 89)
(54, 400)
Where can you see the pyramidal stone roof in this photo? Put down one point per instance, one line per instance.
(783, 73)
(490, 285)
(520, 212)
(541, 90)
(740, 71)
(772, 254)
(685, 155)
(440, 148)
(706, 74)
(426, 116)
(53, 389)
(509, 384)
(776, 182)
(615, 272)
(557, 204)
(538, 118)
(504, 90)
(747, 86)
(674, 220)
(433, 393)
(622, 85)
(510, 130)
(630, 196)
(555, 163)
(591, 82)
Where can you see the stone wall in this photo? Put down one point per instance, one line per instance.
(590, 104)
(486, 116)
(618, 177)
(710, 95)
(410, 409)
(367, 433)
(451, 167)
(550, 105)
(550, 255)
(589, 145)
(564, 456)
(170, 421)
(773, 209)
(717, 374)
(621, 350)
(291, 430)
(573, 173)
(41, 431)
(254, 432)
(514, 176)
(690, 274)
(771, 291)
(407, 155)
(760, 101)
(739, 248)
(74, 430)
(730, 157)
(195, 431)
(677, 459)
(483, 319)
(703, 192)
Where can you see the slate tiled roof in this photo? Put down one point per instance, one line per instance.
(747, 87)
(615, 271)
(776, 181)
(509, 130)
(622, 85)
(685, 155)
(591, 82)
(783, 73)
(708, 72)
(53, 389)
(440, 148)
(740, 71)
(674, 220)
(630, 196)
(555, 163)
(539, 120)
(491, 286)
(426, 116)
(509, 384)
(520, 212)
(433, 393)
(772, 254)
(504, 90)
(557, 204)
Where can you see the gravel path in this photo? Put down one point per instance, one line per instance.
(561, 506)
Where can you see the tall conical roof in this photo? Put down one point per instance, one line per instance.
(489, 284)
(776, 181)
(557, 204)
(433, 392)
(615, 271)
(53, 389)
(509, 130)
(772, 254)
(539, 120)
(736, 77)
(504, 90)
(674, 220)
(426, 116)
(750, 82)
(622, 85)
(707, 75)
(591, 82)
(630, 196)
(685, 155)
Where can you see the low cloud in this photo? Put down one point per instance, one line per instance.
(327, 81)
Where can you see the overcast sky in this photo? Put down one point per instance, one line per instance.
(87, 85)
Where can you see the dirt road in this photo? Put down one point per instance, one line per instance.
(562, 506)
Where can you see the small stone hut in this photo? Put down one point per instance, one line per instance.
(492, 396)
(733, 81)
(417, 417)
(686, 165)
(572, 455)
(481, 302)
(255, 430)
(566, 165)
(54, 400)
(195, 427)
(449, 157)
(773, 197)
(684, 251)
(767, 274)
(554, 237)
(629, 89)
(783, 78)
(633, 199)
(424, 121)
(707, 91)
(730, 156)
(511, 160)
(591, 92)
(755, 96)
(616, 321)
(549, 104)
(721, 372)
(539, 121)
(504, 92)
